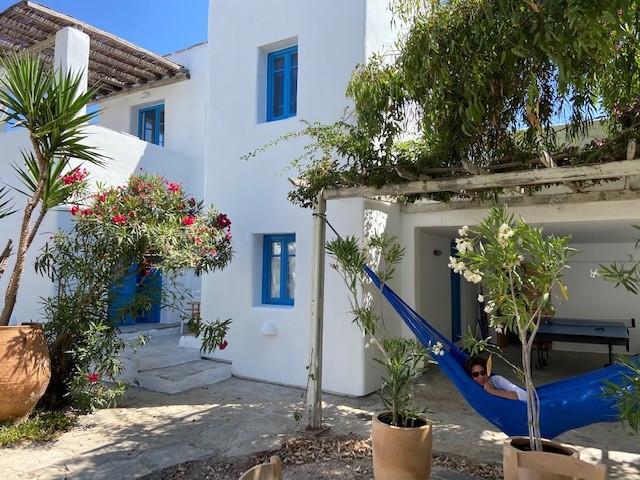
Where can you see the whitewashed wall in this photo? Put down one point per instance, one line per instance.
(185, 106)
(331, 41)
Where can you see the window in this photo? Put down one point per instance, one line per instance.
(279, 269)
(151, 124)
(282, 84)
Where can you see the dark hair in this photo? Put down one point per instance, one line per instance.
(473, 361)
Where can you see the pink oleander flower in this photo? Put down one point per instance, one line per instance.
(74, 210)
(188, 221)
(119, 219)
(93, 377)
(198, 240)
(173, 187)
(87, 211)
(103, 197)
(223, 221)
(224, 345)
(77, 175)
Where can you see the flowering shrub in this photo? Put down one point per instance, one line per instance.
(148, 224)
(153, 221)
(519, 269)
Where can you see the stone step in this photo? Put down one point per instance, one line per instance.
(181, 377)
(162, 351)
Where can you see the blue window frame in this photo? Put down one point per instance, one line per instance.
(279, 269)
(151, 124)
(282, 84)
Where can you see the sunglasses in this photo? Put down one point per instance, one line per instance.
(477, 374)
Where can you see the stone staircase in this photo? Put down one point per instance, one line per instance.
(162, 365)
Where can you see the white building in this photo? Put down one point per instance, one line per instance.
(266, 66)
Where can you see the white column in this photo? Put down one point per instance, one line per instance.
(72, 53)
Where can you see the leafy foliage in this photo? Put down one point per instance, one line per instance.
(41, 426)
(213, 334)
(148, 224)
(626, 394)
(478, 84)
(521, 269)
(153, 222)
(402, 359)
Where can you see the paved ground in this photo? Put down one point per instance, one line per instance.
(239, 417)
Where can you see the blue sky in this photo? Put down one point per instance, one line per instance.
(163, 26)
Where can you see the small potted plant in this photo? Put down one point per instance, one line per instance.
(521, 269)
(401, 436)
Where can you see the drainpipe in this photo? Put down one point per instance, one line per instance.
(314, 384)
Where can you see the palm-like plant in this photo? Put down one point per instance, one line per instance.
(51, 106)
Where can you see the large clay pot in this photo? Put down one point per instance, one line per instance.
(25, 370)
(401, 453)
(522, 443)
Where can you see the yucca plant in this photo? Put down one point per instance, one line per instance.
(51, 105)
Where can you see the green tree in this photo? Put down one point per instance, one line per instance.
(521, 270)
(51, 106)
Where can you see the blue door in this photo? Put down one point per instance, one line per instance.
(150, 284)
(121, 295)
(124, 293)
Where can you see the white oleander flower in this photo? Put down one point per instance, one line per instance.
(456, 265)
(504, 234)
(490, 306)
(472, 276)
(463, 245)
(437, 349)
(480, 298)
(594, 273)
(464, 231)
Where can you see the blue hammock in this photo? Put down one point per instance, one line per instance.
(570, 403)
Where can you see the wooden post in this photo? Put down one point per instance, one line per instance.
(314, 385)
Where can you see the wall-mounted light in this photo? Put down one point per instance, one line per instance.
(269, 329)
(437, 252)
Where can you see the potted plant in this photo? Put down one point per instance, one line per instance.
(401, 436)
(51, 106)
(520, 269)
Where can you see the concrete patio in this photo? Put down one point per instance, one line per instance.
(237, 417)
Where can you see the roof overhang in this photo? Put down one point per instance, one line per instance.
(118, 67)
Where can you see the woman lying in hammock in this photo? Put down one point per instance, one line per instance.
(476, 367)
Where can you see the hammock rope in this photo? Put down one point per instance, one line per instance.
(564, 405)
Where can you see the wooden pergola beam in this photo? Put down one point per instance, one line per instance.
(496, 180)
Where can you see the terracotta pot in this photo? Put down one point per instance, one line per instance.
(512, 471)
(401, 453)
(25, 370)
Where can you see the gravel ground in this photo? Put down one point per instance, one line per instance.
(345, 457)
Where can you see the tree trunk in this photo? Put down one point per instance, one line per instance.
(61, 370)
(23, 244)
